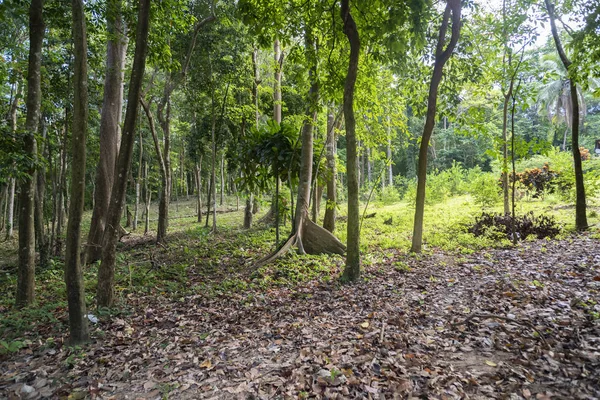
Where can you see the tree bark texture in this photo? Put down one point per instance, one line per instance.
(78, 328)
(26, 272)
(453, 10)
(110, 120)
(106, 271)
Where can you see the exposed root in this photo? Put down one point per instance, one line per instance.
(311, 239)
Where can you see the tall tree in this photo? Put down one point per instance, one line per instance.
(106, 271)
(451, 16)
(110, 120)
(330, 145)
(580, 205)
(352, 269)
(26, 274)
(78, 329)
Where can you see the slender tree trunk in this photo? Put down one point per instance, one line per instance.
(278, 58)
(255, 85)
(3, 206)
(138, 182)
(11, 208)
(40, 234)
(369, 165)
(505, 149)
(110, 120)
(222, 194)
(26, 273)
(580, 203)
(453, 7)
(389, 160)
(165, 196)
(78, 328)
(62, 187)
(12, 181)
(199, 187)
(330, 208)
(106, 271)
(213, 177)
(148, 199)
(352, 269)
(248, 214)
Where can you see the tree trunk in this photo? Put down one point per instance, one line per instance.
(106, 270)
(26, 273)
(369, 166)
(389, 160)
(580, 202)
(199, 188)
(307, 236)
(61, 189)
(12, 181)
(255, 85)
(330, 207)
(278, 58)
(441, 56)
(138, 182)
(110, 120)
(40, 190)
(248, 214)
(165, 195)
(222, 194)
(78, 328)
(352, 268)
(213, 177)
(148, 199)
(10, 215)
(505, 149)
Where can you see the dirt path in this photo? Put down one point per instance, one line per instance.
(396, 335)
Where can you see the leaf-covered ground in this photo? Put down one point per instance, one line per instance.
(504, 323)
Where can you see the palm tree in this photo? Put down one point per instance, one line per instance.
(554, 97)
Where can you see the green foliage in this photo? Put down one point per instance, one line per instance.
(11, 346)
(388, 195)
(484, 188)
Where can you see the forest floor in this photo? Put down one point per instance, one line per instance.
(197, 320)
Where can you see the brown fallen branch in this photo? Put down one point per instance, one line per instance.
(524, 322)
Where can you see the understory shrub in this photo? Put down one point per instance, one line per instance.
(499, 226)
(537, 181)
(388, 195)
(484, 189)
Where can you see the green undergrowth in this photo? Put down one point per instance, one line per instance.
(198, 262)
